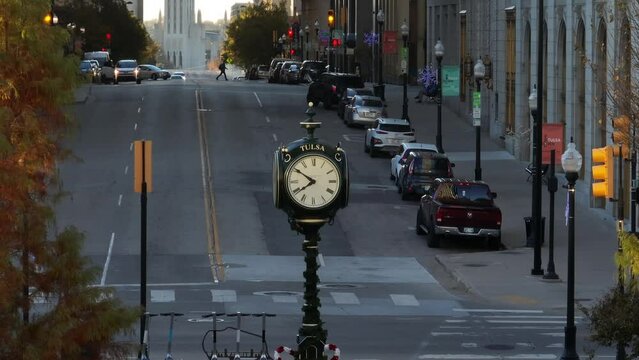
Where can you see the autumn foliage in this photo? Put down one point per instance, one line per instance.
(61, 316)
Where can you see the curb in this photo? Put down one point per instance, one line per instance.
(86, 95)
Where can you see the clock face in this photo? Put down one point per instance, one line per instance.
(312, 181)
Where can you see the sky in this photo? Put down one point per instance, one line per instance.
(212, 10)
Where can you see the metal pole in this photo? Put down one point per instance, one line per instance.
(438, 138)
(143, 244)
(405, 100)
(306, 45)
(426, 33)
(633, 179)
(552, 189)
(380, 45)
(313, 336)
(570, 352)
(478, 142)
(537, 230)
(621, 349)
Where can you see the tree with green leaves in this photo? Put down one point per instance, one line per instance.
(129, 38)
(252, 36)
(77, 320)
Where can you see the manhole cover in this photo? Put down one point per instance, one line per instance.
(278, 293)
(499, 347)
(475, 265)
(338, 286)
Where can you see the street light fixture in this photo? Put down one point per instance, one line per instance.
(439, 55)
(404, 31)
(571, 161)
(316, 24)
(535, 239)
(479, 71)
(380, 22)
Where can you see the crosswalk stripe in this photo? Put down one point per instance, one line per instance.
(224, 295)
(404, 300)
(345, 298)
(162, 296)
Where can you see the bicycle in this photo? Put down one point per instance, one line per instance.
(530, 169)
(143, 353)
(168, 355)
(213, 355)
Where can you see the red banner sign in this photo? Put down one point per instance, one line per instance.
(552, 138)
(390, 42)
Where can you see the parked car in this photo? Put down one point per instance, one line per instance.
(290, 72)
(346, 97)
(148, 71)
(178, 75)
(421, 169)
(363, 110)
(276, 72)
(88, 69)
(330, 86)
(126, 70)
(387, 134)
(262, 71)
(272, 73)
(457, 207)
(399, 159)
(311, 69)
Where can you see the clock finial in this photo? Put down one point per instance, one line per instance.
(309, 124)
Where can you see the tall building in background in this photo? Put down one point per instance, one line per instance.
(184, 38)
(237, 9)
(136, 8)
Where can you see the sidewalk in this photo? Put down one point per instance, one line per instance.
(504, 276)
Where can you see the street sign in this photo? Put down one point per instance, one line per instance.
(450, 83)
(324, 35)
(389, 41)
(476, 108)
(142, 165)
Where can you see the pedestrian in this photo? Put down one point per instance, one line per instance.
(222, 70)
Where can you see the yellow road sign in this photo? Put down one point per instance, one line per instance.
(143, 169)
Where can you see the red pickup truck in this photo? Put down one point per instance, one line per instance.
(457, 207)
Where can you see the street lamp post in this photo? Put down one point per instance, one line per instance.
(281, 41)
(404, 30)
(535, 239)
(284, 39)
(380, 84)
(302, 44)
(439, 55)
(480, 72)
(571, 163)
(317, 39)
(306, 31)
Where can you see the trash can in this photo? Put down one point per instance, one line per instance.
(530, 241)
(378, 90)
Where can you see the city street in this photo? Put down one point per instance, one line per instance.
(217, 243)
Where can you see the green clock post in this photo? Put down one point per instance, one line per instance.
(310, 183)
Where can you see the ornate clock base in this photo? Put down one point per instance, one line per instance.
(312, 336)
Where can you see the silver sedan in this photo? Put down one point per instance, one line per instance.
(363, 110)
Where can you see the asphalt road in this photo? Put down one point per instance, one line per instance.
(217, 243)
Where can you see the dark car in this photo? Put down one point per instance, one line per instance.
(347, 96)
(329, 87)
(311, 69)
(290, 72)
(272, 74)
(421, 169)
(277, 71)
(458, 207)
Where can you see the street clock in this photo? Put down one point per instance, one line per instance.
(310, 177)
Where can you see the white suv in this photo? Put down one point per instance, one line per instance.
(387, 134)
(399, 159)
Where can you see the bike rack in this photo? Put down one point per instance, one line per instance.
(238, 354)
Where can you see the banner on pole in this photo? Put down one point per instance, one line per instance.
(140, 160)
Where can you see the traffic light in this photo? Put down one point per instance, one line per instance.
(108, 36)
(336, 42)
(290, 33)
(50, 19)
(331, 18)
(292, 52)
(605, 172)
(622, 135)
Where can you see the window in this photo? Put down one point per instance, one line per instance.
(395, 127)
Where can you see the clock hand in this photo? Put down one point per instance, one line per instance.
(306, 176)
